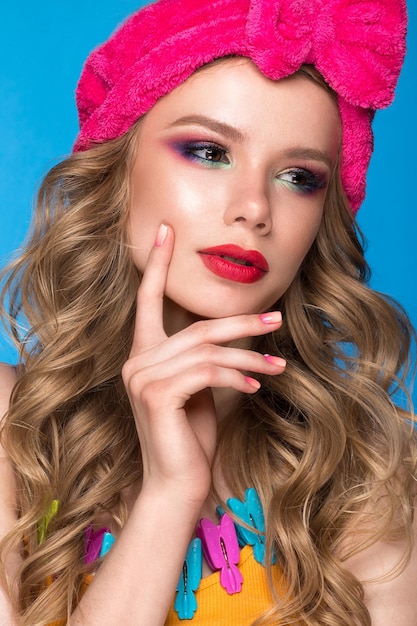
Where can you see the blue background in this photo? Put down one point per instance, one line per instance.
(42, 49)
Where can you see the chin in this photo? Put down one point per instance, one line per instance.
(208, 308)
(190, 302)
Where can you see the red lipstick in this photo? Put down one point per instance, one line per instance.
(234, 263)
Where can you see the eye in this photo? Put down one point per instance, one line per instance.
(302, 180)
(205, 152)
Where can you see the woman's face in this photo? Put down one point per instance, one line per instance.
(239, 166)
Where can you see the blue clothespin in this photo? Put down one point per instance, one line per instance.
(185, 601)
(108, 541)
(96, 543)
(250, 511)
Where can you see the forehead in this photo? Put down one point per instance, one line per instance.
(233, 90)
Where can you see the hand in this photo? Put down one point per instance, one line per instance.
(169, 381)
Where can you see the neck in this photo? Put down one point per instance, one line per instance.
(176, 318)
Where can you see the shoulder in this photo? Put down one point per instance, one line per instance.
(389, 585)
(8, 379)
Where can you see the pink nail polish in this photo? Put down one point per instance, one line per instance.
(273, 317)
(253, 383)
(275, 360)
(161, 235)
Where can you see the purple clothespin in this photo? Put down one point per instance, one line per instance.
(96, 543)
(221, 549)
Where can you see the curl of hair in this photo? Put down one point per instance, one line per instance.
(69, 431)
(325, 446)
(323, 443)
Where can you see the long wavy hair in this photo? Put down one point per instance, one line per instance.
(324, 443)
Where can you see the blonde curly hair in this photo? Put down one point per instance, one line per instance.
(324, 444)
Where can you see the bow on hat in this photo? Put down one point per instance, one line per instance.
(358, 47)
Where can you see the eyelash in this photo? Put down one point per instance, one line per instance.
(310, 181)
(189, 150)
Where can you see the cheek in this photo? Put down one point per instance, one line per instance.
(148, 208)
(307, 235)
(299, 229)
(143, 224)
(294, 240)
(171, 196)
(181, 202)
(140, 241)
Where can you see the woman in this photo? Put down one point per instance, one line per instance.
(201, 335)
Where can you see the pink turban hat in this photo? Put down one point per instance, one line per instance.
(358, 46)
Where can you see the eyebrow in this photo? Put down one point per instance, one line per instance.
(310, 154)
(233, 133)
(219, 127)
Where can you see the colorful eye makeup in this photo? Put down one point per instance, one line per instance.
(204, 152)
(302, 180)
(213, 155)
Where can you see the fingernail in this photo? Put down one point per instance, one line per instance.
(253, 383)
(275, 360)
(161, 235)
(273, 317)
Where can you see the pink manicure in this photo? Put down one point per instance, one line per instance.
(275, 360)
(273, 317)
(253, 383)
(161, 235)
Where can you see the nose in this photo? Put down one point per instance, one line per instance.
(249, 203)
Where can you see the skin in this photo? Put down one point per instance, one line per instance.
(183, 376)
(269, 129)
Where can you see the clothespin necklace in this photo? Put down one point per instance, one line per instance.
(220, 544)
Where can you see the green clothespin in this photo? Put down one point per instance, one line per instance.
(44, 522)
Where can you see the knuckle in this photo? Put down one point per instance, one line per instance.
(208, 372)
(149, 395)
(134, 378)
(208, 351)
(134, 384)
(202, 329)
(144, 392)
(127, 372)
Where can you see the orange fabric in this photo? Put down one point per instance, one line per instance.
(88, 578)
(215, 606)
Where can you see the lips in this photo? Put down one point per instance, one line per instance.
(235, 263)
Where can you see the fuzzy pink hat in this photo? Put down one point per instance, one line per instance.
(357, 45)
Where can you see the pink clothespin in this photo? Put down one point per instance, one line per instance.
(221, 549)
(96, 543)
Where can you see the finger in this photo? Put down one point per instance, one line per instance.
(232, 358)
(209, 361)
(160, 397)
(224, 330)
(149, 329)
(216, 331)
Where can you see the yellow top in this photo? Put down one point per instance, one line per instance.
(215, 607)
